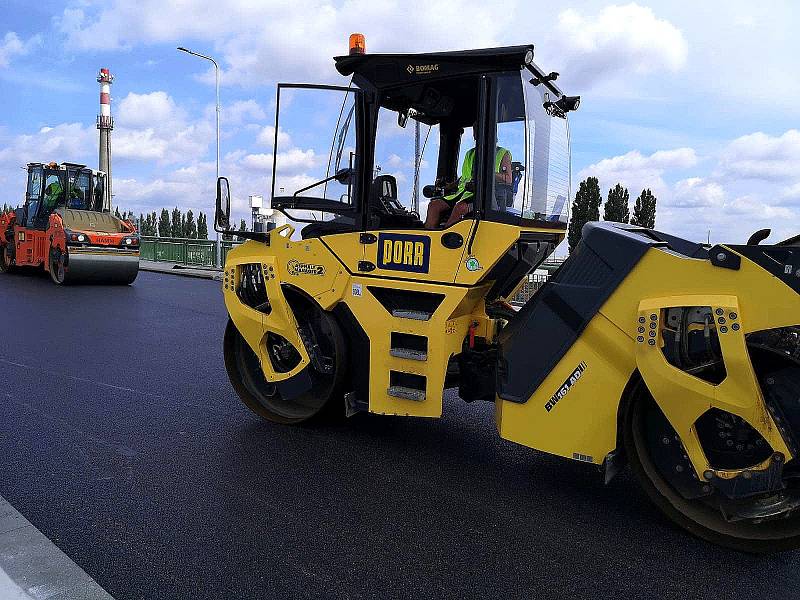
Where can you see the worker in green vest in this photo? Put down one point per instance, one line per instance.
(458, 201)
(52, 194)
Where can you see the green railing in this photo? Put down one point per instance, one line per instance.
(183, 251)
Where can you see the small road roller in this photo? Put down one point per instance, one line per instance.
(63, 229)
(679, 359)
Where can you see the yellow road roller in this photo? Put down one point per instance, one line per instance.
(679, 359)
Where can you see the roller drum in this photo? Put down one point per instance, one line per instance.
(101, 267)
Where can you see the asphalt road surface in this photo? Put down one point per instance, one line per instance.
(122, 440)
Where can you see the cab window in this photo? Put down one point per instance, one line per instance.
(79, 195)
(314, 150)
(406, 158)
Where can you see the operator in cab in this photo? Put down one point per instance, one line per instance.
(458, 201)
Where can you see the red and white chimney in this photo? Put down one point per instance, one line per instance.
(105, 123)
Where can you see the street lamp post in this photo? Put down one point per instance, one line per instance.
(216, 76)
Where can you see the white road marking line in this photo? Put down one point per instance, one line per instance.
(72, 377)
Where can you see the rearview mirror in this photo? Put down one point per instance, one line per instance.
(344, 176)
(402, 118)
(222, 216)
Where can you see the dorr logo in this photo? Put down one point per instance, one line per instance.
(295, 267)
(404, 252)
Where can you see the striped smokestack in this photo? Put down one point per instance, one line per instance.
(105, 123)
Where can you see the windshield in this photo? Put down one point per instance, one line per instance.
(531, 158)
(82, 194)
(547, 183)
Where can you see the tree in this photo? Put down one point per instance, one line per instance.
(147, 224)
(202, 227)
(177, 229)
(585, 208)
(644, 211)
(191, 226)
(616, 208)
(164, 227)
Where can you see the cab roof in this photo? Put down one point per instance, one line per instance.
(384, 71)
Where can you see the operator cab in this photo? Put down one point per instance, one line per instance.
(52, 186)
(485, 125)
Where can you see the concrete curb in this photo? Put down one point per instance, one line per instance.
(33, 568)
(180, 270)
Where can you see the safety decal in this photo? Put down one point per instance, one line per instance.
(404, 252)
(473, 264)
(358, 291)
(295, 267)
(566, 387)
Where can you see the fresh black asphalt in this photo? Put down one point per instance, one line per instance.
(122, 440)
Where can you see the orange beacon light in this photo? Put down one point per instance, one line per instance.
(358, 44)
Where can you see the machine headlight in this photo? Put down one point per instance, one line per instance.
(528, 57)
(131, 241)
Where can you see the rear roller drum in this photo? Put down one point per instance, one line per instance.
(6, 259)
(327, 368)
(58, 270)
(761, 523)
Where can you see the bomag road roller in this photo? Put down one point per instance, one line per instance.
(677, 358)
(63, 228)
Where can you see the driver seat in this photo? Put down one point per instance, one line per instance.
(385, 208)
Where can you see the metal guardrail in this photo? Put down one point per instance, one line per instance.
(203, 253)
(529, 288)
(184, 251)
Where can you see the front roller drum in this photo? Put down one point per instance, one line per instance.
(322, 401)
(768, 522)
(86, 267)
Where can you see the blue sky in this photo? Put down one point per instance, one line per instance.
(695, 100)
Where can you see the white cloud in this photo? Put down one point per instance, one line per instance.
(266, 137)
(695, 192)
(241, 112)
(617, 40)
(139, 145)
(67, 141)
(637, 171)
(293, 161)
(762, 156)
(260, 162)
(11, 45)
(148, 110)
(151, 126)
(792, 192)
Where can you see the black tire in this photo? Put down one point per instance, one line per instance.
(6, 262)
(58, 272)
(700, 517)
(323, 403)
